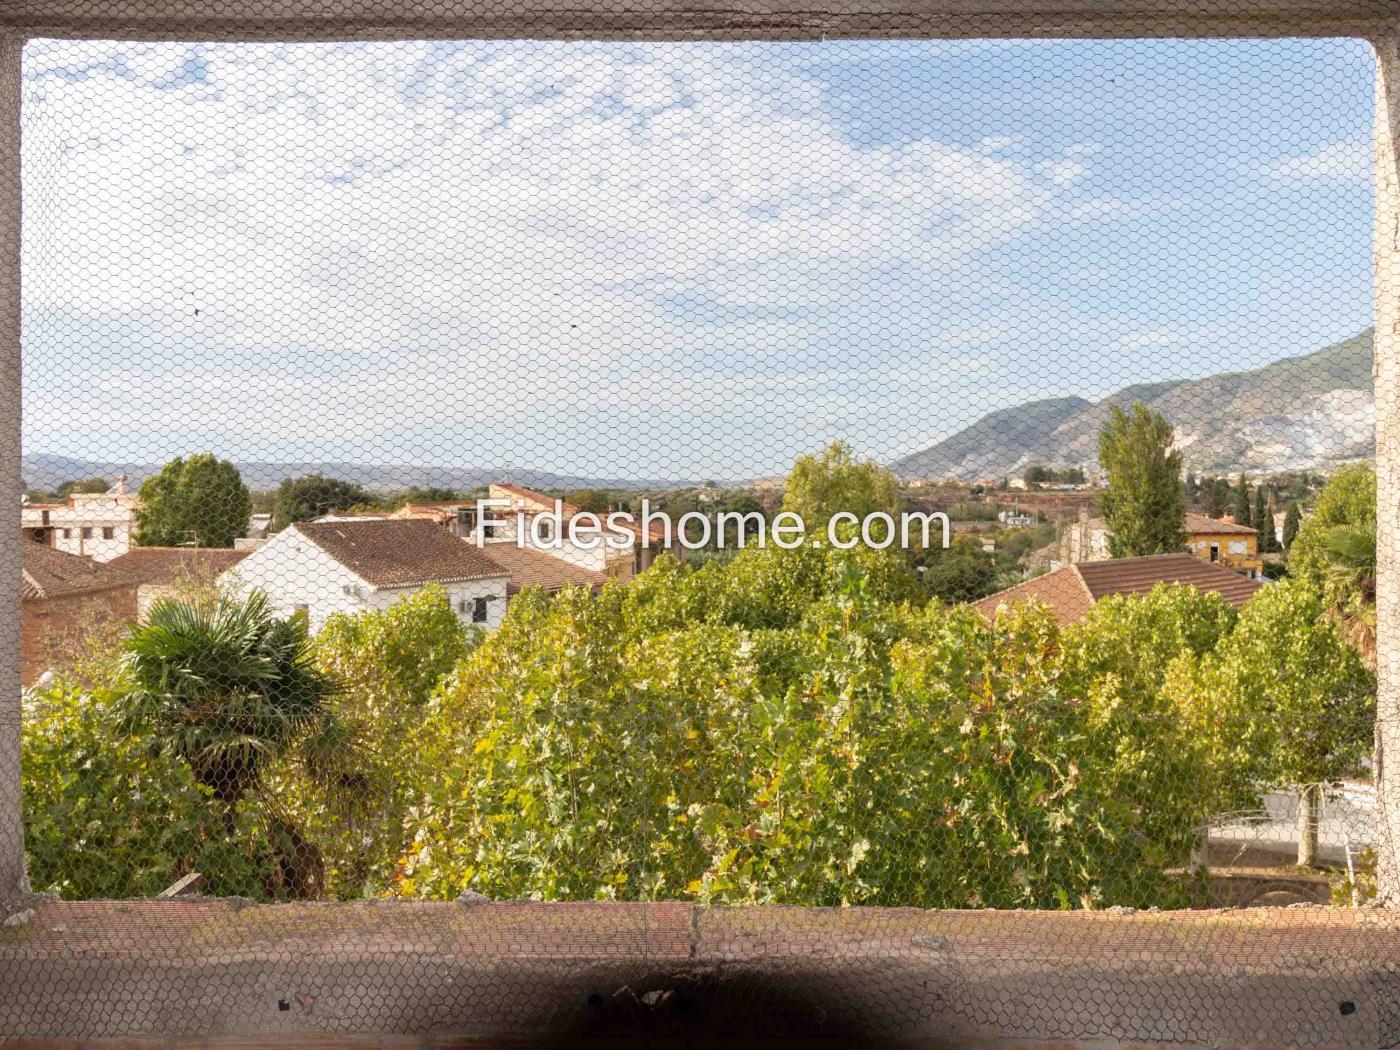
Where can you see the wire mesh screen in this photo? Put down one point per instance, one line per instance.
(868, 476)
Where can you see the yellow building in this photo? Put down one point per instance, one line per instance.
(1236, 546)
(1210, 539)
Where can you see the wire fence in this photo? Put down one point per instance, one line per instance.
(867, 476)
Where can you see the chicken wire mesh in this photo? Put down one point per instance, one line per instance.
(898, 475)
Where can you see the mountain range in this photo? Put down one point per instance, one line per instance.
(42, 471)
(1313, 411)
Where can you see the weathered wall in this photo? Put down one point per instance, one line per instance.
(215, 973)
(52, 629)
(12, 881)
(691, 19)
(1387, 269)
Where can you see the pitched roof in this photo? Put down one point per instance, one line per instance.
(1062, 591)
(1200, 523)
(1070, 592)
(387, 552)
(51, 573)
(534, 568)
(165, 565)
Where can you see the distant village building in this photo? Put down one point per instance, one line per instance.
(62, 597)
(1016, 518)
(1069, 593)
(1209, 539)
(97, 525)
(326, 567)
(621, 564)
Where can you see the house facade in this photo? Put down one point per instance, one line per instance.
(326, 567)
(96, 525)
(1209, 539)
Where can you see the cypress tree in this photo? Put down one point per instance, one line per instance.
(1242, 514)
(1292, 521)
(1263, 520)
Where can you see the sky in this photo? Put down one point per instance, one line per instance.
(665, 260)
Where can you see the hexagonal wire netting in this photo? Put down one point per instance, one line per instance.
(353, 371)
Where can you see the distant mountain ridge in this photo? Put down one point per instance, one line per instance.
(1307, 412)
(43, 471)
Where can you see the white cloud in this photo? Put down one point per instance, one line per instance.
(1334, 162)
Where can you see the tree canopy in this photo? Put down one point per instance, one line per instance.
(1145, 502)
(196, 502)
(820, 486)
(305, 498)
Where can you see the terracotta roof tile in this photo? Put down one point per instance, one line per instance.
(165, 565)
(533, 568)
(656, 530)
(388, 552)
(1200, 523)
(51, 573)
(1139, 575)
(1070, 592)
(1062, 591)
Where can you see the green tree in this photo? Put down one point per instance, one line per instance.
(223, 685)
(1242, 513)
(352, 799)
(820, 486)
(1217, 497)
(108, 813)
(1145, 503)
(200, 501)
(1291, 522)
(1263, 521)
(776, 729)
(1335, 550)
(89, 485)
(309, 497)
(597, 501)
(1290, 695)
(962, 573)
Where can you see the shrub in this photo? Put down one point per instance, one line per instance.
(108, 813)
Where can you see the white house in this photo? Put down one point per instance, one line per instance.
(326, 567)
(97, 525)
(1016, 518)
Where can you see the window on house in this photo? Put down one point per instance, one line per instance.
(478, 610)
(87, 532)
(109, 532)
(1215, 552)
(67, 534)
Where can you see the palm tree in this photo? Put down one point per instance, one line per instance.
(225, 686)
(1349, 582)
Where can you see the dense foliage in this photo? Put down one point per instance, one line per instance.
(196, 502)
(1145, 502)
(797, 726)
(352, 799)
(820, 486)
(309, 497)
(109, 813)
(817, 743)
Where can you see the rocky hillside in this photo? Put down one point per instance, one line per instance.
(1301, 412)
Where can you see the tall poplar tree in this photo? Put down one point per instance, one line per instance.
(1145, 502)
